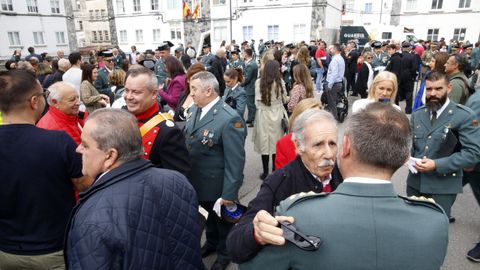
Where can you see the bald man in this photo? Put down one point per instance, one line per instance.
(217, 68)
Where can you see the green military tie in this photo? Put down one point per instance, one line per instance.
(434, 118)
(197, 117)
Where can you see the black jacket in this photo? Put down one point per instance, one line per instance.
(361, 84)
(217, 70)
(394, 65)
(291, 179)
(409, 67)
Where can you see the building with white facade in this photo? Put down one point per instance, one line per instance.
(367, 12)
(91, 23)
(434, 19)
(41, 24)
(147, 23)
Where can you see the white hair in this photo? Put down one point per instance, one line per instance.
(56, 91)
(307, 117)
(64, 64)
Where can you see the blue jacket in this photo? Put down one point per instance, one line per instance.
(135, 217)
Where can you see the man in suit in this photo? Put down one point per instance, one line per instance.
(351, 66)
(163, 142)
(445, 140)
(117, 58)
(407, 76)
(251, 74)
(207, 56)
(364, 224)
(215, 138)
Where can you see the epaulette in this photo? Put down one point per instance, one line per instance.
(298, 198)
(428, 202)
(229, 109)
(465, 108)
(420, 108)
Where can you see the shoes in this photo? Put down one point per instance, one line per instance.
(451, 219)
(250, 124)
(474, 253)
(219, 266)
(207, 250)
(263, 176)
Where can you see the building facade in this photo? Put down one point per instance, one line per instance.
(434, 19)
(367, 12)
(91, 23)
(33, 23)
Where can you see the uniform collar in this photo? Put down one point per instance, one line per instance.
(154, 109)
(207, 107)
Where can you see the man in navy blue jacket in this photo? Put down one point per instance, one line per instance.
(134, 215)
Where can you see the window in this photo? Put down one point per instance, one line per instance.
(79, 6)
(273, 32)
(154, 4)
(123, 36)
(174, 4)
(136, 6)
(386, 35)
(349, 5)
(100, 35)
(60, 37)
(246, 1)
(459, 34)
(218, 2)
(104, 13)
(298, 32)
(220, 33)
(80, 25)
(139, 35)
(120, 6)
(14, 38)
(38, 38)
(464, 4)
(175, 31)
(368, 7)
(437, 4)
(7, 5)
(432, 34)
(55, 6)
(411, 4)
(90, 12)
(32, 6)
(247, 32)
(107, 36)
(94, 36)
(97, 14)
(156, 35)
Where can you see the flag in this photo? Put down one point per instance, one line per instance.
(196, 10)
(186, 9)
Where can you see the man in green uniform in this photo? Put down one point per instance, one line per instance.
(160, 69)
(207, 56)
(215, 139)
(445, 141)
(251, 74)
(363, 224)
(101, 83)
(380, 58)
(117, 58)
(236, 61)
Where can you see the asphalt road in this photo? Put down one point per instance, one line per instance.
(463, 234)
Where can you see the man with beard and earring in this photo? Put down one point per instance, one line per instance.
(445, 141)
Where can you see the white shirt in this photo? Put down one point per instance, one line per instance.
(439, 111)
(208, 107)
(365, 180)
(361, 104)
(73, 76)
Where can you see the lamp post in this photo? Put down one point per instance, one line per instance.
(381, 11)
(231, 32)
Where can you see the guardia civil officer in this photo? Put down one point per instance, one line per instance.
(101, 83)
(445, 140)
(215, 139)
(363, 224)
(160, 69)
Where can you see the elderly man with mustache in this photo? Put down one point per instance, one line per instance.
(315, 138)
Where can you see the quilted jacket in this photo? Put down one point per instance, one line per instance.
(135, 217)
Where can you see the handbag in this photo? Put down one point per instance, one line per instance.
(284, 121)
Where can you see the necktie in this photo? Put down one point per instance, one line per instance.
(197, 118)
(434, 117)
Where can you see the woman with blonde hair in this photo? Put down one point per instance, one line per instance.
(116, 78)
(303, 57)
(270, 95)
(383, 89)
(285, 147)
(302, 87)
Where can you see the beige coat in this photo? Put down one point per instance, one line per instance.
(90, 96)
(268, 127)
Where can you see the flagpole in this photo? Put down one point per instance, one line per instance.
(231, 35)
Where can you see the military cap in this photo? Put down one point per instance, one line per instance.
(267, 42)
(179, 49)
(245, 42)
(466, 46)
(290, 46)
(235, 51)
(106, 53)
(406, 44)
(206, 45)
(377, 44)
(385, 43)
(165, 46)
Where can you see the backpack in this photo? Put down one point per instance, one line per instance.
(468, 89)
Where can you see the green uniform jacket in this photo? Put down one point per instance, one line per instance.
(379, 59)
(235, 64)
(363, 226)
(102, 85)
(450, 152)
(473, 103)
(217, 150)
(238, 94)
(161, 72)
(251, 74)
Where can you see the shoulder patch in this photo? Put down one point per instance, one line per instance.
(238, 124)
(298, 198)
(428, 202)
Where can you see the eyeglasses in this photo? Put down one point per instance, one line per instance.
(369, 57)
(46, 93)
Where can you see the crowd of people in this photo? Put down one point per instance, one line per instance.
(108, 156)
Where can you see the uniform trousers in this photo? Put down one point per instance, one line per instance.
(444, 200)
(251, 108)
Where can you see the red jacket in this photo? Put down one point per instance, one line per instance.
(285, 151)
(57, 120)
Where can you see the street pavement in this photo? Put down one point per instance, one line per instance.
(463, 234)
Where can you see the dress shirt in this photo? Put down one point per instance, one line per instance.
(208, 107)
(439, 111)
(366, 180)
(336, 70)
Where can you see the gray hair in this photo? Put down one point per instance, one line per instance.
(64, 64)
(207, 79)
(380, 136)
(117, 129)
(56, 91)
(152, 83)
(307, 117)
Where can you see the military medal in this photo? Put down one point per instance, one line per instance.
(210, 135)
(210, 143)
(205, 133)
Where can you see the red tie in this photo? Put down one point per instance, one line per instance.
(327, 188)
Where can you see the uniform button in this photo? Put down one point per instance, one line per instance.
(146, 154)
(453, 174)
(415, 136)
(191, 137)
(316, 187)
(426, 147)
(149, 143)
(429, 137)
(154, 131)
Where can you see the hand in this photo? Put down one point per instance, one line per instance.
(103, 102)
(167, 81)
(425, 165)
(160, 87)
(105, 97)
(227, 202)
(266, 230)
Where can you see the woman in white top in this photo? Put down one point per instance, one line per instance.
(383, 89)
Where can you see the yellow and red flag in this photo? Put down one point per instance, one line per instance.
(196, 10)
(186, 9)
